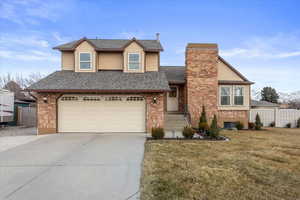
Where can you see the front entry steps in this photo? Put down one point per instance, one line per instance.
(175, 122)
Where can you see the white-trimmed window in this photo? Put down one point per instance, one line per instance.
(225, 95)
(238, 95)
(134, 61)
(85, 61)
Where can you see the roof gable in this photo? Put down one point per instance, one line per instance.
(228, 72)
(133, 41)
(84, 39)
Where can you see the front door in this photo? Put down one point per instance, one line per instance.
(172, 99)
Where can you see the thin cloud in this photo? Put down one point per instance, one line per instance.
(57, 36)
(28, 56)
(34, 41)
(27, 46)
(276, 47)
(31, 11)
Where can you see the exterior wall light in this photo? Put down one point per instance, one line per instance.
(45, 99)
(154, 101)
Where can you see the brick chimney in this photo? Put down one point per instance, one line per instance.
(202, 80)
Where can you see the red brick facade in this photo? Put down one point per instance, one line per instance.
(47, 112)
(155, 111)
(202, 80)
(233, 116)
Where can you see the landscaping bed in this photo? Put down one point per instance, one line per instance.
(252, 165)
(220, 138)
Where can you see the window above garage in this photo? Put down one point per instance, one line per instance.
(134, 61)
(85, 61)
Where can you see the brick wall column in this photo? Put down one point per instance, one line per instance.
(202, 80)
(233, 116)
(46, 113)
(155, 115)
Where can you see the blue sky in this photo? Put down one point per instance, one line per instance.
(261, 38)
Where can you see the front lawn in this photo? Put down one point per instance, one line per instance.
(253, 165)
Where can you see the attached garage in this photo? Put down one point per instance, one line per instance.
(96, 113)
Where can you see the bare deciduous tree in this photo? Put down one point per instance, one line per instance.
(22, 81)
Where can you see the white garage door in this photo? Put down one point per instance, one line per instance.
(101, 114)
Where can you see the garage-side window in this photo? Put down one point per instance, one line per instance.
(135, 98)
(85, 61)
(113, 98)
(69, 98)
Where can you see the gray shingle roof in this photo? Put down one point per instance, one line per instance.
(255, 103)
(175, 74)
(102, 81)
(113, 44)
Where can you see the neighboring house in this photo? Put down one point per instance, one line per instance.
(110, 85)
(284, 106)
(263, 105)
(19, 93)
(6, 106)
(21, 99)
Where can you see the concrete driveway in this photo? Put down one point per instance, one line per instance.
(73, 166)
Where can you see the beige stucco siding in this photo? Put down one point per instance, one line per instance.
(247, 95)
(110, 61)
(85, 47)
(152, 60)
(225, 73)
(67, 60)
(134, 48)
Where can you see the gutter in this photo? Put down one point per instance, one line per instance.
(95, 91)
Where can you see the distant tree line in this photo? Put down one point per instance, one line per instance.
(269, 94)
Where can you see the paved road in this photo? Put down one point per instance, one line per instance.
(73, 166)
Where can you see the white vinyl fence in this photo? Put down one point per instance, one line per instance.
(27, 116)
(281, 117)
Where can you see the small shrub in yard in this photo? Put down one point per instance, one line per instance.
(288, 125)
(251, 125)
(258, 123)
(298, 123)
(158, 133)
(188, 132)
(272, 124)
(214, 130)
(203, 125)
(239, 125)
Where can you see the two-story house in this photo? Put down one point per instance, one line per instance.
(111, 85)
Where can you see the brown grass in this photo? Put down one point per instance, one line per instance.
(253, 165)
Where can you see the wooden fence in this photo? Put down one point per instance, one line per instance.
(27, 116)
(281, 117)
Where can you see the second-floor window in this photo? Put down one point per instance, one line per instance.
(134, 61)
(238, 95)
(85, 61)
